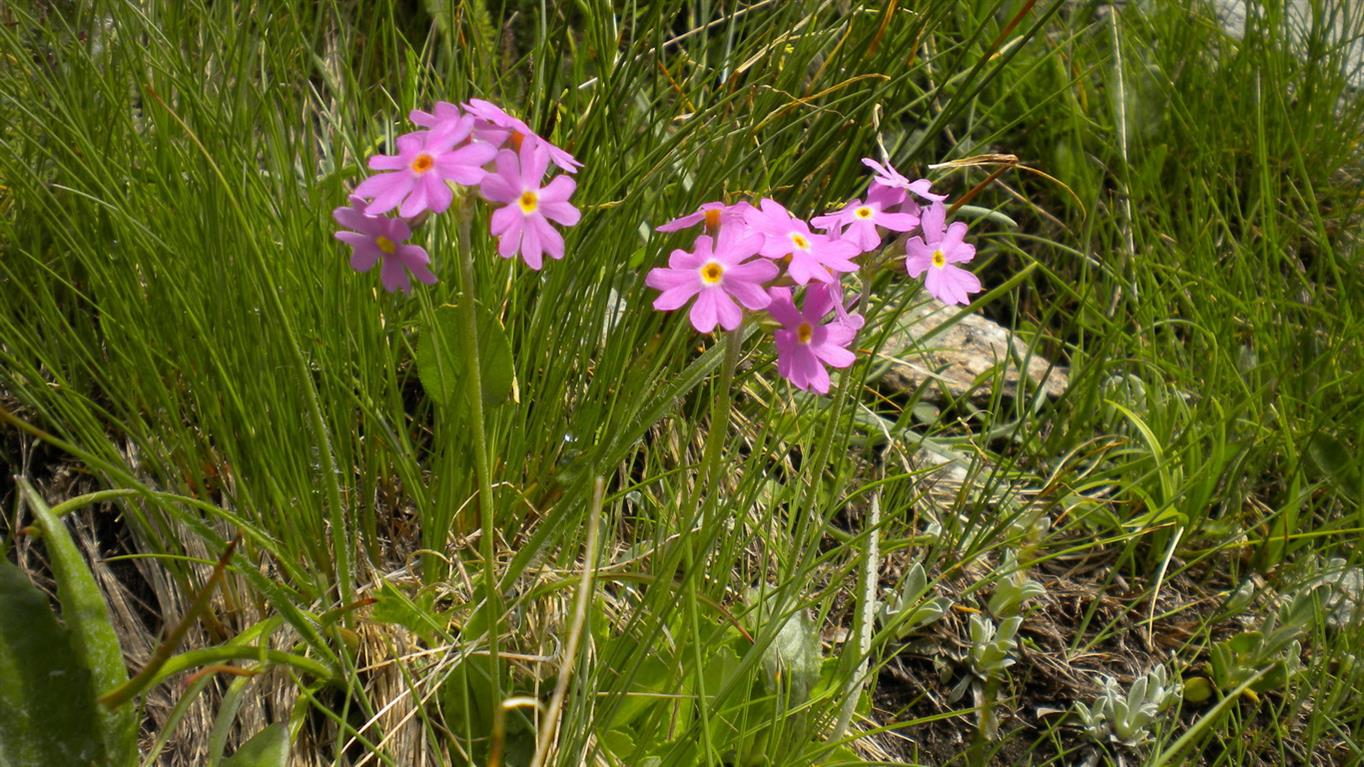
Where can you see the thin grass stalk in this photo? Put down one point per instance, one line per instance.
(871, 571)
(575, 632)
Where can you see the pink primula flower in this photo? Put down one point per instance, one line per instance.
(813, 256)
(497, 128)
(426, 160)
(444, 113)
(857, 222)
(936, 254)
(523, 223)
(713, 214)
(382, 238)
(887, 177)
(805, 344)
(716, 273)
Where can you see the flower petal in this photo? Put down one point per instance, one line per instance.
(387, 190)
(782, 308)
(704, 314)
(663, 278)
(675, 297)
(749, 294)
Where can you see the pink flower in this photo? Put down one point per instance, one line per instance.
(426, 160)
(887, 177)
(857, 222)
(805, 344)
(714, 214)
(497, 127)
(936, 253)
(444, 112)
(382, 238)
(813, 256)
(716, 273)
(523, 223)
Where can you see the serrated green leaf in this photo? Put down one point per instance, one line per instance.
(441, 356)
(267, 748)
(48, 713)
(86, 616)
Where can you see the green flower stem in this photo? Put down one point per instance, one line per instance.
(703, 490)
(437, 532)
(492, 599)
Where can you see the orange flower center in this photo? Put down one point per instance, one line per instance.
(423, 163)
(516, 139)
(862, 212)
(529, 202)
(712, 272)
(386, 245)
(804, 331)
(939, 260)
(712, 217)
(799, 241)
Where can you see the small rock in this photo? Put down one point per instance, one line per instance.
(963, 357)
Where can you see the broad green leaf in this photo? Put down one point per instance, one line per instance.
(1335, 461)
(441, 356)
(48, 713)
(792, 660)
(267, 748)
(418, 616)
(92, 635)
(1197, 689)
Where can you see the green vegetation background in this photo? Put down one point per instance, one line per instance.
(176, 317)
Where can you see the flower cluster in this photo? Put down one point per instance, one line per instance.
(477, 146)
(755, 257)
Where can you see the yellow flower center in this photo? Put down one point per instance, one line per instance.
(712, 272)
(386, 245)
(799, 241)
(804, 331)
(529, 202)
(423, 163)
(939, 260)
(862, 212)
